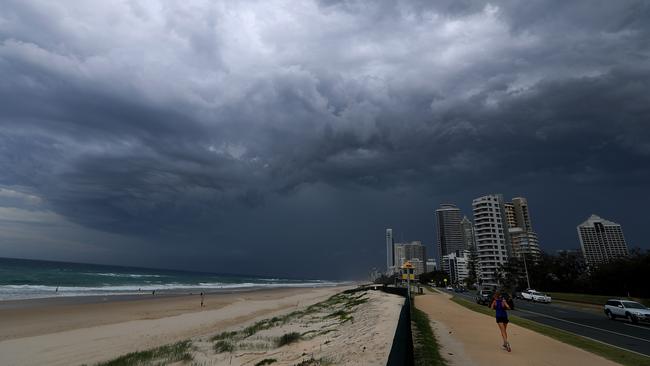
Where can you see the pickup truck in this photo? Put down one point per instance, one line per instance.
(532, 295)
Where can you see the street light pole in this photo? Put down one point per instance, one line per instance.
(526, 268)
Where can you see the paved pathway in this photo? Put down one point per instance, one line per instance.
(471, 338)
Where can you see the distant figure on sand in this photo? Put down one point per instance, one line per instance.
(153, 292)
(500, 305)
(202, 296)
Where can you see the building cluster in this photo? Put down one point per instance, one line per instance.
(500, 230)
(399, 253)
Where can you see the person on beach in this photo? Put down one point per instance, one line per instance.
(500, 305)
(202, 297)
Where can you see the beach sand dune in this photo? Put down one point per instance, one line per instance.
(353, 328)
(76, 334)
(473, 339)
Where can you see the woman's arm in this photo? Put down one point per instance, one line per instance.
(493, 304)
(505, 304)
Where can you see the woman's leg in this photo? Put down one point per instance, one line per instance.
(504, 335)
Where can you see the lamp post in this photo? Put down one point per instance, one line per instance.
(526, 269)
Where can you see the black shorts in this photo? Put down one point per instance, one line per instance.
(502, 319)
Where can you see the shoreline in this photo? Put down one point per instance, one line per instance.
(57, 300)
(32, 317)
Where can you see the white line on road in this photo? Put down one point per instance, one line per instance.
(637, 326)
(586, 326)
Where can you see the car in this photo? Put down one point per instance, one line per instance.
(484, 297)
(532, 295)
(630, 310)
(450, 288)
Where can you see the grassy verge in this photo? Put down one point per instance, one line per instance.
(592, 299)
(612, 353)
(425, 346)
(164, 355)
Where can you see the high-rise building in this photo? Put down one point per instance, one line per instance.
(467, 231)
(492, 239)
(431, 265)
(457, 266)
(601, 240)
(418, 266)
(522, 237)
(450, 237)
(390, 252)
(409, 251)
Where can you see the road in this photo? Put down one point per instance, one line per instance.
(618, 333)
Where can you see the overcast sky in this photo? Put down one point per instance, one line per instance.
(283, 137)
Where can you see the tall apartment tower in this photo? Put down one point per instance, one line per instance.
(601, 240)
(467, 231)
(492, 238)
(450, 236)
(522, 237)
(390, 252)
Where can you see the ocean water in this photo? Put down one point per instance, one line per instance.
(28, 279)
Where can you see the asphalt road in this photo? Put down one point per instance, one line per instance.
(619, 333)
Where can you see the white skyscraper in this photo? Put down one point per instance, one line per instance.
(390, 253)
(522, 237)
(491, 234)
(601, 240)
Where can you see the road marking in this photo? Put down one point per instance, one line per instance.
(587, 326)
(636, 326)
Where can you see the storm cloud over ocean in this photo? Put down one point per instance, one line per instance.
(282, 137)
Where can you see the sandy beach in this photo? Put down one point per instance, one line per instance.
(471, 339)
(69, 334)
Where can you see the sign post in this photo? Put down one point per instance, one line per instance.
(408, 275)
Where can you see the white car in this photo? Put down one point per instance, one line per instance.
(632, 311)
(532, 295)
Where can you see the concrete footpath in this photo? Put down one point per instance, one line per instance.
(471, 338)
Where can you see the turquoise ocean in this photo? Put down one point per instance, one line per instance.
(29, 279)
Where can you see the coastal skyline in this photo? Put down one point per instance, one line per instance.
(282, 138)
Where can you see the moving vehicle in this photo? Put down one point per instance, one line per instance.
(484, 297)
(630, 310)
(532, 295)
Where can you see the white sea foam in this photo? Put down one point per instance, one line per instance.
(130, 275)
(16, 292)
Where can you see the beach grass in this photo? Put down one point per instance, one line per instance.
(612, 353)
(221, 346)
(266, 361)
(426, 351)
(288, 338)
(171, 353)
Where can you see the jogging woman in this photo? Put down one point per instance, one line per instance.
(500, 305)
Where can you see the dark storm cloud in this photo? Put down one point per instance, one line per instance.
(244, 124)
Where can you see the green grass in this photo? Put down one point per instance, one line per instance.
(223, 346)
(164, 355)
(592, 299)
(612, 353)
(425, 346)
(266, 361)
(288, 339)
